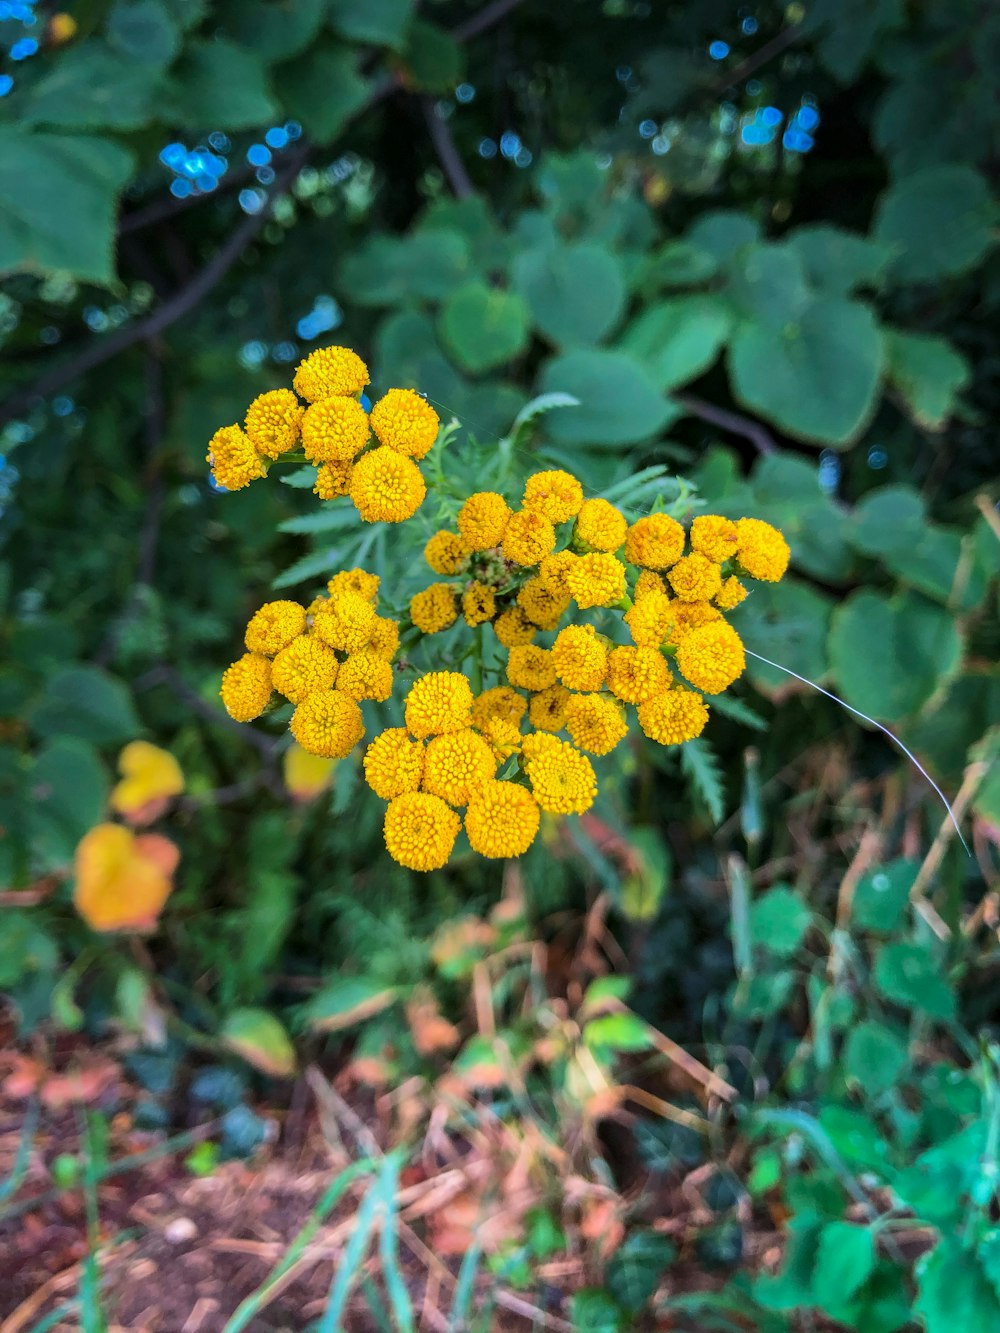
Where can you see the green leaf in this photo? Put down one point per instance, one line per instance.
(817, 377)
(375, 23)
(888, 520)
(722, 233)
(703, 770)
(787, 493)
(220, 84)
(322, 89)
(347, 1001)
(849, 30)
(434, 60)
(786, 622)
(953, 1292)
(767, 285)
(929, 374)
(838, 261)
(779, 920)
(276, 31)
(845, 1260)
(643, 888)
(58, 196)
(144, 31)
(619, 403)
(86, 702)
(92, 87)
(792, 1286)
(939, 1184)
(428, 265)
(69, 789)
(889, 655)
(618, 1032)
(678, 340)
(483, 327)
(882, 894)
(260, 1039)
(594, 1311)
(937, 564)
(637, 1267)
(576, 292)
(874, 1057)
(909, 975)
(681, 264)
(988, 1250)
(938, 222)
(25, 946)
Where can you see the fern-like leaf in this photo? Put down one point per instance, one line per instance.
(700, 765)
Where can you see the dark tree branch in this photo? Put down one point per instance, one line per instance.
(488, 17)
(448, 154)
(731, 421)
(775, 47)
(166, 675)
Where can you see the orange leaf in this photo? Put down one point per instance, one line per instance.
(122, 881)
(151, 777)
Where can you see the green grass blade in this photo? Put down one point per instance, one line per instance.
(350, 1263)
(459, 1317)
(13, 1182)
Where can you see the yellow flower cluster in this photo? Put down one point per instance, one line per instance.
(334, 433)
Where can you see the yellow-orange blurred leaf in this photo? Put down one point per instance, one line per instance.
(431, 1031)
(151, 778)
(123, 881)
(307, 775)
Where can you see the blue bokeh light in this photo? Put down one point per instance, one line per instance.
(464, 93)
(276, 137)
(258, 155)
(23, 48)
(487, 148)
(718, 50)
(770, 115)
(6, 83)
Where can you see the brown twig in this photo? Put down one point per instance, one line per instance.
(733, 422)
(974, 775)
(166, 675)
(488, 17)
(448, 155)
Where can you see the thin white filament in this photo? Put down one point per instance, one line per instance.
(885, 730)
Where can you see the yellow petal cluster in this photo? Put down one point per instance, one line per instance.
(600, 526)
(502, 819)
(762, 551)
(406, 422)
(273, 422)
(330, 372)
(334, 430)
(438, 703)
(434, 609)
(420, 830)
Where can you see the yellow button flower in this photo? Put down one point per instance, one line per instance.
(345, 622)
(689, 616)
(530, 667)
(122, 881)
(547, 709)
(330, 372)
(695, 578)
(447, 553)
(385, 637)
(600, 525)
(636, 674)
(596, 579)
(394, 764)
(714, 536)
(386, 486)
(580, 657)
(650, 619)
(329, 724)
(730, 594)
(304, 667)
(457, 765)
(554, 569)
(483, 519)
(648, 582)
(437, 703)
(246, 687)
(333, 480)
(273, 422)
(234, 461)
(763, 551)
(513, 627)
(355, 580)
(500, 702)
(562, 779)
(420, 830)
(502, 820)
(434, 609)
(654, 542)
(405, 421)
(366, 675)
(334, 430)
(673, 718)
(556, 494)
(711, 657)
(479, 603)
(595, 722)
(151, 777)
(503, 738)
(542, 602)
(528, 537)
(274, 626)
(306, 775)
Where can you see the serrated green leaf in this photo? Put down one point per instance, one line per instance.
(786, 622)
(483, 327)
(144, 31)
(681, 264)
(838, 261)
(677, 340)
(576, 293)
(937, 222)
(220, 84)
(874, 1057)
(276, 31)
(882, 894)
(323, 89)
(88, 703)
(779, 920)
(619, 403)
(434, 60)
(909, 975)
(375, 23)
(260, 1039)
(69, 786)
(888, 520)
(953, 1291)
(767, 285)
(92, 87)
(722, 232)
(928, 373)
(700, 765)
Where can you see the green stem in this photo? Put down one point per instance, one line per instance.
(477, 660)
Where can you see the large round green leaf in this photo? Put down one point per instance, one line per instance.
(787, 623)
(938, 221)
(619, 403)
(767, 284)
(483, 327)
(678, 340)
(928, 373)
(576, 292)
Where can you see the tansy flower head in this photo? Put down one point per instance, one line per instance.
(434, 609)
(556, 494)
(650, 619)
(479, 603)
(366, 675)
(345, 622)
(530, 668)
(695, 578)
(562, 779)
(635, 674)
(483, 519)
(763, 551)
(420, 830)
(304, 667)
(355, 580)
(334, 430)
(446, 553)
(386, 486)
(457, 765)
(596, 579)
(273, 422)
(437, 703)
(714, 537)
(234, 461)
(246, 687)
(547, 709)
(151, 777)
(542, 602)
(513, 627)
(502, 819)
(333, 480)
(405, 422)
(688, 616)
(654, 542)
(385, 637)
(274, 626)
(503, 738)
(648, 582)
(711, 657)
(330, 372)
(595, 722)
(730, 594)
(394, 764)
(500, 702)
(528, 537)
(600, 526)
(580, 657)
(673, 718)
(328, 723)
(554, 568)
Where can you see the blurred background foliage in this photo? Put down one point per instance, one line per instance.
(757, 244)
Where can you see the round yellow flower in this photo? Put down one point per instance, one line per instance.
(673, 718)
(547, 709)
(600, 525)
(386, 486)
(500, 702)
(385, 637)
(580, 657)
(479, 603)
(345, 622)
(274, 626)
(333, 480)
(763, 551)
(394, 764)
(596, 579)
(530, 668)
(513, 627)
(503, 738)
(434, 609)
(420, 830)
(366, 675)
(234, 461)
(528, 537)
(334, 430)
(650, 619)
(711, 657)
(483, 519)
(304, 667)
(695, 578)
(556, 494)
(730, 594)
(457, 765)
(246, 687)
(406, 422)
(542, 603)
(714, 536)
(330, 372)
(648, 582)
(502, 819)
(273, 422)
(595, 722)
(438, 703)
(561, 778)
(689, 616)
(654, 542)
(328, 723)
(446, 553)
(355, 580)
(635, 674)
(554, 569)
